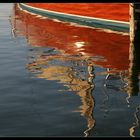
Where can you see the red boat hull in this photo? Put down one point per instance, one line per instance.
(112, 11)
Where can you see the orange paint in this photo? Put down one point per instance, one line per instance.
(112, 47)
(114, 11)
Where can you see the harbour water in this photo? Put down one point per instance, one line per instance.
(61, 79)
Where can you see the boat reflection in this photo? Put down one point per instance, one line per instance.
(74, 39)
(102, 46)
(80, 49)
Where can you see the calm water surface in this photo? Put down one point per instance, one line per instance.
(52, 86)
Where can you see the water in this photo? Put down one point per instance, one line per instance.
(59, 79)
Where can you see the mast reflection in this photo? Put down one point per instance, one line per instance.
(71, 78)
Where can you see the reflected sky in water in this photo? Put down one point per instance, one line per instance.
(93, 73)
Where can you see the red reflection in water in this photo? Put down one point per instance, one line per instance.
(112, 47)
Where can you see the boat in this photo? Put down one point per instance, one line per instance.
(112, 16)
